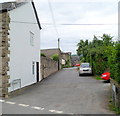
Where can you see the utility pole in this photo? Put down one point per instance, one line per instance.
(58, 43)
(58, 54)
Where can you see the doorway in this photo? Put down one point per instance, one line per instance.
(37, 71)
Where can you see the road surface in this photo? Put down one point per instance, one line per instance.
(62, 93)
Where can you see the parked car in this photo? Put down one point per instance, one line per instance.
(105, 76)
(85, 68)
(77, 64)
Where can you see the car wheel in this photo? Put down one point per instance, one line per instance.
(91, 74)
(108, 81)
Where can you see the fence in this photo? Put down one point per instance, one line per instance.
(115, 93)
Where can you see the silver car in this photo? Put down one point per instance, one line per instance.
(85, 68)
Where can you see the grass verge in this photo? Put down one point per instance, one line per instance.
(112, 107)
(97, 77)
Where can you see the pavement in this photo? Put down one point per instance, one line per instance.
(61, 93)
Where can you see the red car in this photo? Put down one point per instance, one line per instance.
(106, 76)
(77, 64)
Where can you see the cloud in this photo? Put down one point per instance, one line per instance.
(76, 12)
(77, 1)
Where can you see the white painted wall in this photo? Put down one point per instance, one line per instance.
(63, 61)
(22, 54)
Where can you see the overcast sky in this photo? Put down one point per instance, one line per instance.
(75, 12)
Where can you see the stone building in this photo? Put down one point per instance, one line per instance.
(75, 59)
(66, 58)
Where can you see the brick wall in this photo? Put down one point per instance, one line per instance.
(4, 51)
(48, 67)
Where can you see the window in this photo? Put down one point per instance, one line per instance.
(33, 68)
(32, 38)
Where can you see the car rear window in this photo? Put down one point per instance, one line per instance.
(85, 65)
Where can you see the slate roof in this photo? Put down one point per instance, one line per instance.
(8, 6)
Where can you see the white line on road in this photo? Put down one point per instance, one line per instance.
(8, 102)
(33, 107)
(59, 112)
(52, 110)
(2, 100)
(23, 105)
(42, 108)
(37, 108)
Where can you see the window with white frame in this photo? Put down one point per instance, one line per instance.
(32, 39)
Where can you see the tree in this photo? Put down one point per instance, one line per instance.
(117, 61)
(98, 52)
(82, 48)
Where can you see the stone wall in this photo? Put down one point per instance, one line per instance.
(48, 66)
(4, 51)
(115, 91)
(50, 52)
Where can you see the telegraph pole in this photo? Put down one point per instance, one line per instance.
(58, 54)
(58, 43)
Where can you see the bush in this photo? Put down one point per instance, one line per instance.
(114, 62)
(117, 75)
(103, 54)
(42, 54)
(55, 57)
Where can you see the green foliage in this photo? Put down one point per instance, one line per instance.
(42, 54)
(103, 54)
(82, 59)
(66, 66)
(67, 62)
(114, 108)
(97, 77)
(117, 61)
(55, 57)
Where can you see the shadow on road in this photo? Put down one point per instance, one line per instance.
(106, 81)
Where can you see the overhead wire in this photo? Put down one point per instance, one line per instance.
(62, 24)
(88, 24)
(23, 22)
(53, 18)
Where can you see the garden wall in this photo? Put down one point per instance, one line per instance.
(48, 66)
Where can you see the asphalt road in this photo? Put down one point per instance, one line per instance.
(62, 93)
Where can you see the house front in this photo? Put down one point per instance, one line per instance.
(20, 48)
(66, 58)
